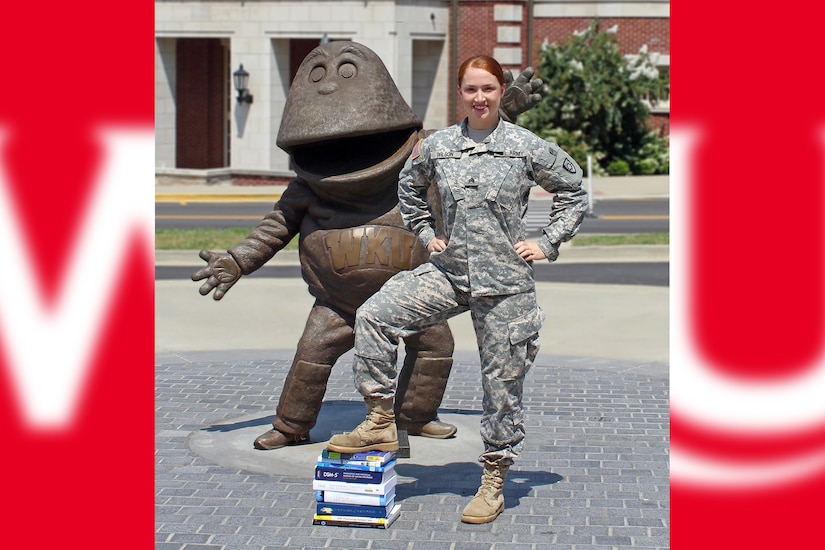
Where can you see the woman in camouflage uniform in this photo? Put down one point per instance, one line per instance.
(483, 169)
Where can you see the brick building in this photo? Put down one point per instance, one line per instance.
(514, 32)
(204, 133)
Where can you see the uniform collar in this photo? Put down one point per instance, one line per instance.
(490, 143)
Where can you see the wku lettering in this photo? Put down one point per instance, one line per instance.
(375, 246)
(759, 415)
(48, 348)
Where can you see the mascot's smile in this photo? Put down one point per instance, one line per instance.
(353, 158)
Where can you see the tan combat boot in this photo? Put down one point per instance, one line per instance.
(376, 433)
(489, 500)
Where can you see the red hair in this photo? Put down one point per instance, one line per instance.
(484, 62)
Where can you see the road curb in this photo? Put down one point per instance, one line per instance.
(568, 254)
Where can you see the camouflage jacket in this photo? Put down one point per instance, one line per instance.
(484, 189)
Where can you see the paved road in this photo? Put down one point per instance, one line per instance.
(611, 216)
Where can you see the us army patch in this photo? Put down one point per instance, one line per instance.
(416, 152)
(569, 166)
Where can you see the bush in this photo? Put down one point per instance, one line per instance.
(653, 157)
(593, 92)
(647, 167)
(618, 168)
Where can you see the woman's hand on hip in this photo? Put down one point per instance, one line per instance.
(438, 244)
(530, 252)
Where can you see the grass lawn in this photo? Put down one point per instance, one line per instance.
(221, 239)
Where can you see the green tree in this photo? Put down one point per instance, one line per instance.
(594, 97)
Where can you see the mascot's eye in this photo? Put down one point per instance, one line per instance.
(317, 74)
(347, 70)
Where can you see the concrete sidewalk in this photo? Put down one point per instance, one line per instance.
(623, 322)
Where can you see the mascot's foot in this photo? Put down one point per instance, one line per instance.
(273, 439)
(435, 429)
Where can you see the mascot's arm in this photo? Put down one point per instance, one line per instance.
(275, 230)
(520, 95)
(223, 269)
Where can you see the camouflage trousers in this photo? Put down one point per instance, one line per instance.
(506, 330)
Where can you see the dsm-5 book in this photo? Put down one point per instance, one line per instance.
(354, 475)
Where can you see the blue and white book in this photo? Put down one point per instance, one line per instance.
(361, 488)
(370, 466)
(358, 510)
(355, 498)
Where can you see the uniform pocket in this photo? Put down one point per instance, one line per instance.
(526, 326)
(423, 269)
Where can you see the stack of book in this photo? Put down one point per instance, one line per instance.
(355, 490)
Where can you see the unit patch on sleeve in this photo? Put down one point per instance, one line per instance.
(569, 166)
(416, 152)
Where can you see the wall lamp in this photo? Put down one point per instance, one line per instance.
(241, 78)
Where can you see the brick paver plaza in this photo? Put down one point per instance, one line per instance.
(594, 473)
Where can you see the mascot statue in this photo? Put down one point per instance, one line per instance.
(348, 132)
